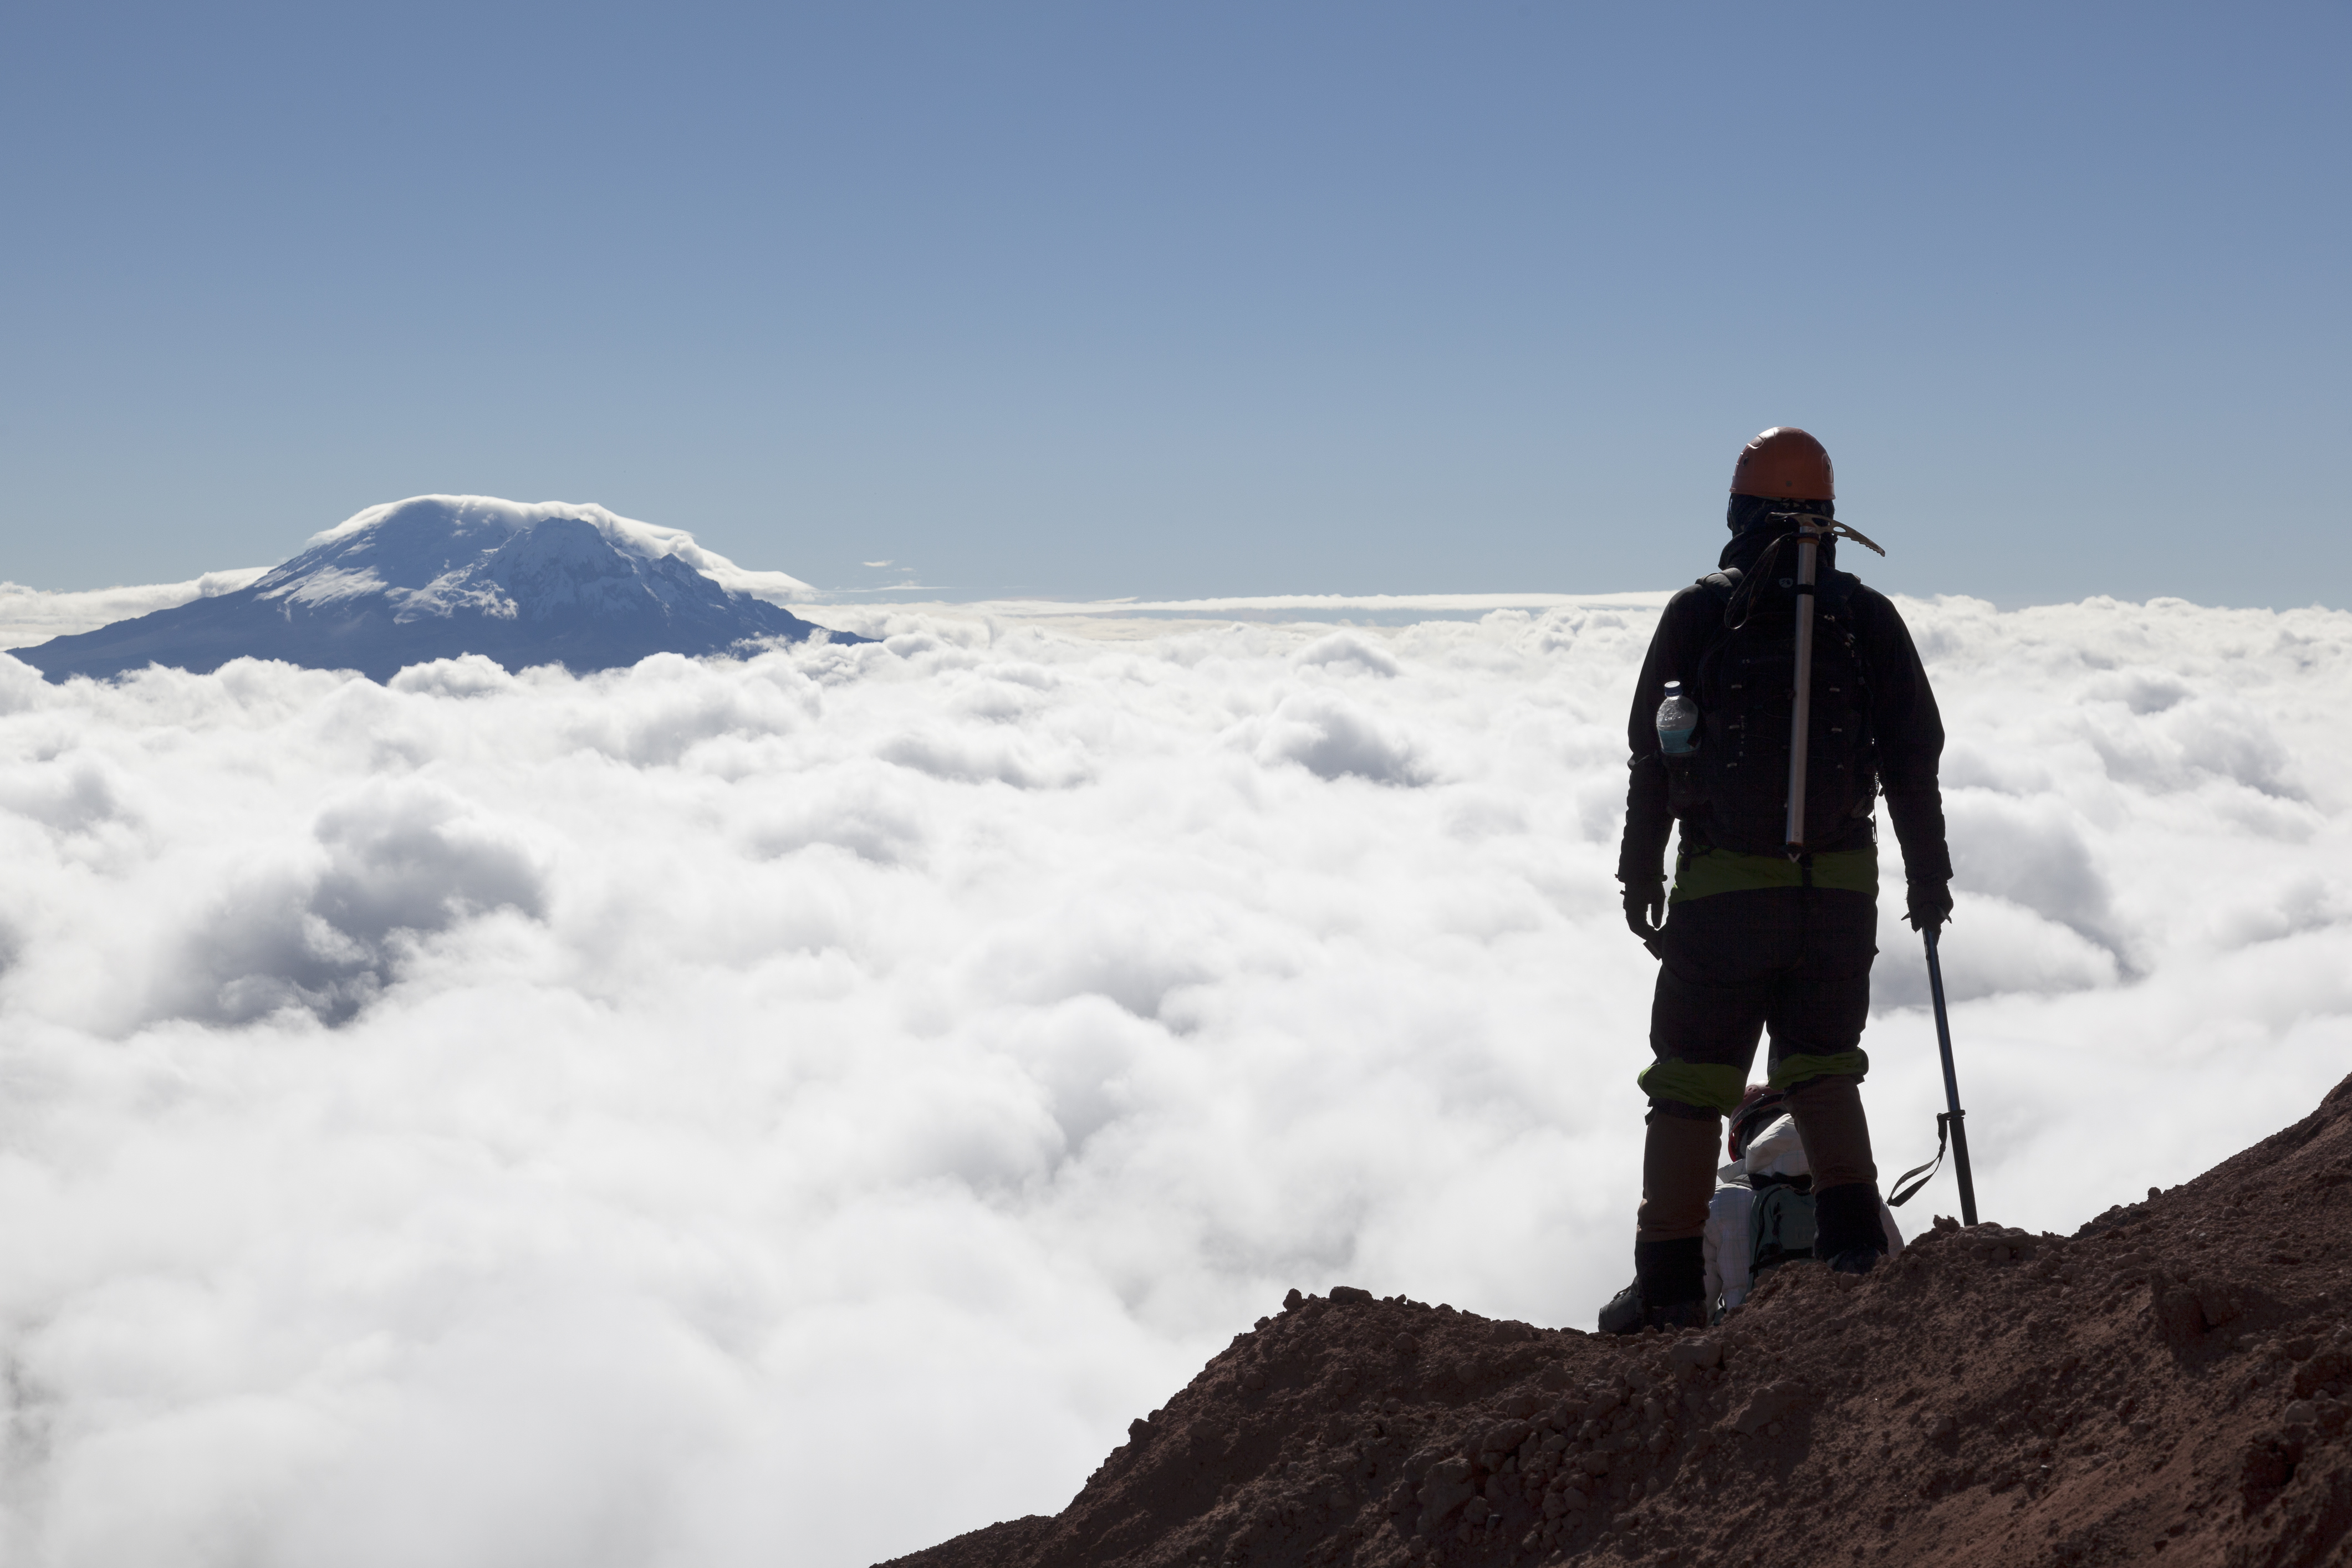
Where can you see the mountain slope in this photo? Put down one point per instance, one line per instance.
(436, 576)
(2166, 1386)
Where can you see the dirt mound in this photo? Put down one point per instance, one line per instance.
(2167, 1385)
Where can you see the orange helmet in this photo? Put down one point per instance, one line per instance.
(1785, 463)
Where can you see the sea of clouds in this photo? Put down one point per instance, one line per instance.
(798, 1109)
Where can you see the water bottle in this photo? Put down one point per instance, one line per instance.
(1677, 723)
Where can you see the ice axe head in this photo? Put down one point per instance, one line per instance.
(1821, 527)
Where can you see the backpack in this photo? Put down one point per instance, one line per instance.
(1733, 789)
(1779, 1222)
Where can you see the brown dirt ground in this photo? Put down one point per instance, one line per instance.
(2166, 1385)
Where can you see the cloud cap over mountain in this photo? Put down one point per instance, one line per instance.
(435, 577)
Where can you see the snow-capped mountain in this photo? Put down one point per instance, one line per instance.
(436, 576)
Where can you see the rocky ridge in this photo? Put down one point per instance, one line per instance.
(2167, 1384)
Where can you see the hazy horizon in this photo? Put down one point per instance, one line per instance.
(26, 604)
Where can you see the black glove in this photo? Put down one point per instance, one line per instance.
(1928, 904)
(1645, 909)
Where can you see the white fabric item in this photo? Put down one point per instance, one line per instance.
(1776, 1151)
(1726, 1237)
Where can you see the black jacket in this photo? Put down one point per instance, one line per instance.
(1907, 731)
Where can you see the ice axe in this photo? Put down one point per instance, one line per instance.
(1811, 529)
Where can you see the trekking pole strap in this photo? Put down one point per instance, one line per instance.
(1903, 1195)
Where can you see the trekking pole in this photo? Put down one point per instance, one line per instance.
(1951, 1084)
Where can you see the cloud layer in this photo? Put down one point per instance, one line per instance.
(29, 616)
(709, 1112)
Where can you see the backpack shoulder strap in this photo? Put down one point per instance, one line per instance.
(1722, 589)
(1699, 628)
(1838, 590)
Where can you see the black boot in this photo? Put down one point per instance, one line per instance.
(1668, 1292)
(1624, 1312)
(1847, 1234)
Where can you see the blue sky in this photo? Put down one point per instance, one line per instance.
(1162, 299)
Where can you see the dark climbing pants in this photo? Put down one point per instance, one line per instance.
(1792, 961)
